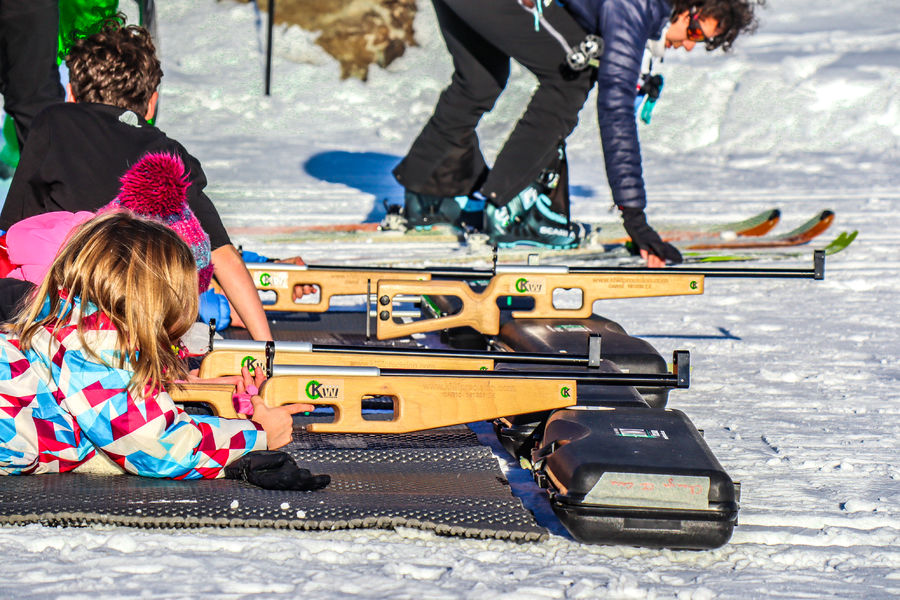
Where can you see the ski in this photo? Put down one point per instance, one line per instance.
(595, 249)
(755, 226)
(800, 235)
(393, 229)
(838, 244)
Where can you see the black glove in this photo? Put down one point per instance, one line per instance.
(645, 238)
(274, 470)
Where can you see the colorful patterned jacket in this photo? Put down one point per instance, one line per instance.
(58, 407)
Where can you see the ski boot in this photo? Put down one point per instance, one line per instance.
(540, 227)
(499, 219)
(422, 211)
(529, 219)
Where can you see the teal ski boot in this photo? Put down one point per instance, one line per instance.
(499, 219)
(541, 227)
(422, 211)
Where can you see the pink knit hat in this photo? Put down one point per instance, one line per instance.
(156, 187)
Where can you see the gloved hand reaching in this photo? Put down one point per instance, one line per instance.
(274, 470)
(646, 239)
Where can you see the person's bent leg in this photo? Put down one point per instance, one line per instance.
(552, 113)
(446, 160)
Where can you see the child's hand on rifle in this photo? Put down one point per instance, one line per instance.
(246, 386)
(277, 422)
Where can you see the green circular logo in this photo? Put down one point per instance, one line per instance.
(250, 363)
(693, 285)
(565, 392)
(265, 279)
(521, 284)
(312, 390)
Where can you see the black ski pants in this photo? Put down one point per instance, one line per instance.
(482, 36)
(29, 75)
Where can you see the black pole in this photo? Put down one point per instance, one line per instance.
(269, 28)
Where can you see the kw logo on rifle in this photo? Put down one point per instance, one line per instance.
(324, 390)
(251, 363)
(270, 279)
(524, 286)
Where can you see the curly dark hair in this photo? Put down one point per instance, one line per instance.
(116, 65)
(734, 16)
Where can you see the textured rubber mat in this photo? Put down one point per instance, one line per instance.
(441, 480)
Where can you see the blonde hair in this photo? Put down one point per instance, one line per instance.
(136, 272)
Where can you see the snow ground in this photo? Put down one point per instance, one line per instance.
(794, 382)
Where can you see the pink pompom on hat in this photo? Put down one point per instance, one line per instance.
(156, 187)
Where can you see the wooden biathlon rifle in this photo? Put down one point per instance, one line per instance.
(479, 309)
(226, 357)
(422, 398)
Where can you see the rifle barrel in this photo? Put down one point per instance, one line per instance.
(671, 380)
(817, 272)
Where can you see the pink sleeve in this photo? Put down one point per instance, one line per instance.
(33, 242)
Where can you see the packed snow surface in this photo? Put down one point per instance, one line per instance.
(794, 382)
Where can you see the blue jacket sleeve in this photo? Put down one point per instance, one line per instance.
(625, 26)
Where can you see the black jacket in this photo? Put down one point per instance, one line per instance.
(625, 26)
(75, 155)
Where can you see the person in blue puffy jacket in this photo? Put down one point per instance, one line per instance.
(569, 47)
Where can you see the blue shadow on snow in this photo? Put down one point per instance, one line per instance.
(369, 172)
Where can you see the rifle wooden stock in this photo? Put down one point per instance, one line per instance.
(419, 403)
(219, 363)
(217, 396)
(282, 278)
(480, 311)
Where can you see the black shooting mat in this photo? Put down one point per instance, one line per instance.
(441, 480)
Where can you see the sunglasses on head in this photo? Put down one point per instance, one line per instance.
(694, 31)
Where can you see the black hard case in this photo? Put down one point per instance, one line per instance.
(635, 476)
(630, 354)
(518, 433)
